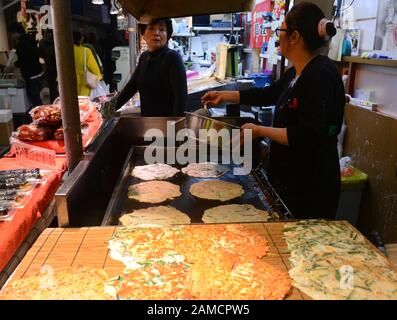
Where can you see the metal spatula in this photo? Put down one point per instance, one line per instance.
(204, 112)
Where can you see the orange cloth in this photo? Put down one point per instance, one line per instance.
(12, 233)
(94, 122)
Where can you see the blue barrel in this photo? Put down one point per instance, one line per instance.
(262, 79)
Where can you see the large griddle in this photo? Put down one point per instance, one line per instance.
(258, 192)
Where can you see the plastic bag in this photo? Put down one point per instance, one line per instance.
(346, 167)
(33, 133)
(47, 115)
(99, 91)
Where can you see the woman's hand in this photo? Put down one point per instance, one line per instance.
(244, 129)
(250, 126)
(279, 135)
(214, 98)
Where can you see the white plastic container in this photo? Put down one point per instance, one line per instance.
(15, 99)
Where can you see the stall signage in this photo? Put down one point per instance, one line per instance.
(260, 33)
(24, 13)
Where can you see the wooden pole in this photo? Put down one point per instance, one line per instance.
(63, 37)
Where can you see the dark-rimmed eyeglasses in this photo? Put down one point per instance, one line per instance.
(278, 30)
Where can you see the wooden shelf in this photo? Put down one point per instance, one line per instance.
(354, 62)
(375, 62)
(215, 29)
(183, 35)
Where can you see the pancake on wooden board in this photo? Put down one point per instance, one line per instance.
(66, 284)
(155, 281)
(227, 277)
(135, 246)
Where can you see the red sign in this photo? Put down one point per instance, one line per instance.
(23, 9)
(259, 33)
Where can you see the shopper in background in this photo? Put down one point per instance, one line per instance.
(28, 62)
(108, 43)
(91, 65)
(309, 98)
(90, 42)
(160, 76)
(47, 53)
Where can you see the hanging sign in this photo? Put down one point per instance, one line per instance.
(260, 31)
(24, 13)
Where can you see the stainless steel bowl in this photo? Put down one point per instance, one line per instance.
(197, 122)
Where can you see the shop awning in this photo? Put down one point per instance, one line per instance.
(142, 9)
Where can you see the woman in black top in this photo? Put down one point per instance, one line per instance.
(309, 99)
(160, 76)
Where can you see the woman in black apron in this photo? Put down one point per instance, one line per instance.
(160, 77)
(309, 98)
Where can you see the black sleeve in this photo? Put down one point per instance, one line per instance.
(130, 88)
(317, 106)
(261, 96)
(177, 76)
(27, 52)
(266, 96)
(42, 50)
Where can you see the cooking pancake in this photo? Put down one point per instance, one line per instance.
(158, 171)
(234, 213)
(66, 284)
(205, 170)
(154, 191)
(216, 190)
(227, 277)
(160, 216)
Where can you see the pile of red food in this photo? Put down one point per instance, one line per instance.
(47, 124)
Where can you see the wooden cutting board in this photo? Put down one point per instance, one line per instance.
(59, 248)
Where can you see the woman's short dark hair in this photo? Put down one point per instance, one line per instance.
(167, 22)
(305, 18)
(77, 38)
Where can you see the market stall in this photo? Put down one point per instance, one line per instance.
(189, 233)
